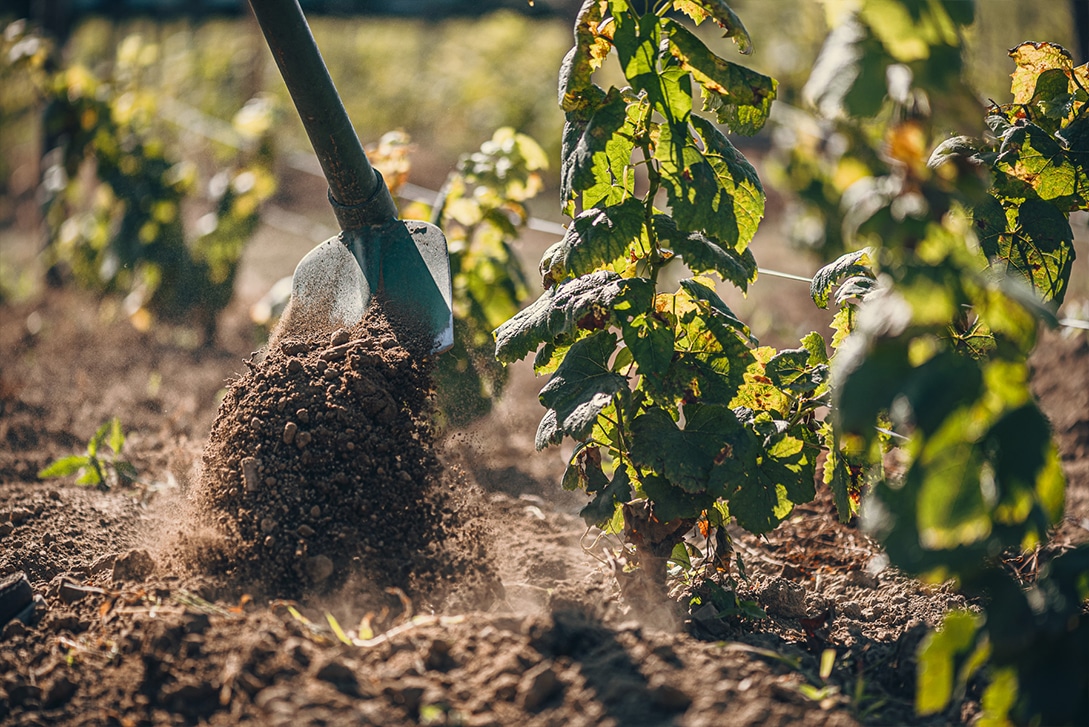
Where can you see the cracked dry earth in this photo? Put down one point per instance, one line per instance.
(485, 602)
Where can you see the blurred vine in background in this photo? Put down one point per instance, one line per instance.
(961, 253)
(889, 78)
(115, 197)
(482, 210)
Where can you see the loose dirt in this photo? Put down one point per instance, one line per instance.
(321, 465)
(131, 632)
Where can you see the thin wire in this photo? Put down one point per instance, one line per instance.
(196, 121)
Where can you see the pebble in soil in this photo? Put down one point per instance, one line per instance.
(321, 465)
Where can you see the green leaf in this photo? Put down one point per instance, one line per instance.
(720, 12)
(126, 469)
(955, 147)
(578, 65)
(1031, 155)
(842, 324)
(791, 371)
(713, 190)
(1033, 60)
(671, 502)
(703, 254)
(836, 475)
(848, 78)
(769, 467)
(1020, 448)
(606, 499)
(859, 262)
(740, 96)
(717, 310)
(89, 476)
(99, 437)
(1075, 139)
(554, 316)
(582, 386)
(637, 45)
(651, 342)
(601, 237)
(116, 438)
(707, 378)
(595, 153)
(999, 698)
(938, 655)
(855, 288)
(1037, 244)
(813, 342)
(65, 466)
(867, 385)
(683, 456)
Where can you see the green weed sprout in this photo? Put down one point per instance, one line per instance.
(94, 467)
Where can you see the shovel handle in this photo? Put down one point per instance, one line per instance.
(356, 190)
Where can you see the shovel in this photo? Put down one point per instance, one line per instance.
(403, 261)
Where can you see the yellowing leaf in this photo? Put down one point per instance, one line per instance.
(1033, 59)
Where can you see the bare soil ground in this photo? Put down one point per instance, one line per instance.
(130, 633)
(474, 596)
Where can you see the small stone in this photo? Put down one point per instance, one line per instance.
(862, 579)
(783, 598)
(303, 439)
(133, 566)
(294, 366)
(16, 595)
(303, 416)
(290, 430)
(850, 609)
(267, 525)
(103, 563)
(315, 512)
(305, 531)
(790, 572)
(270, 481)
(255, 423)
(319, 568)
(249, 473)
(336, 354)
(340, 336)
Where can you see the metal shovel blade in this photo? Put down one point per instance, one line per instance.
(407, 261)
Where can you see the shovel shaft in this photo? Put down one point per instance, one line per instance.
(356, 191)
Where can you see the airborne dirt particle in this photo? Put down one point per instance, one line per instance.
(321, 465)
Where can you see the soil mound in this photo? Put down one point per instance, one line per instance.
(321, 465)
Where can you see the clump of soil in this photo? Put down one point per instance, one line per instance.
(321, 465)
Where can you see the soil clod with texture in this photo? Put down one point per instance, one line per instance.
(321, 466)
